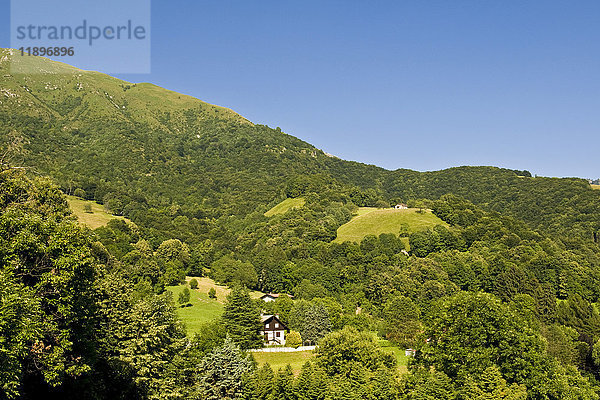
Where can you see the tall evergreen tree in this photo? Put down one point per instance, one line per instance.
(284, 383)
(221, 371)
(242, 319)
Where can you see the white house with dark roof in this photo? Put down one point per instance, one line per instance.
(273, 330)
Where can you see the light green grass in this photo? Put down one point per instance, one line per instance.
(597, 187)
(97, 218)
(203, 309)
(285, 206)
(296, 359)
(373, 221)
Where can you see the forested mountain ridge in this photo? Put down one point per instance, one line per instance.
(157, 156)
(499, 301)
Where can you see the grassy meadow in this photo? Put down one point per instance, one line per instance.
(285, 205)
(203, 309)
(97, 218)
(597, 187)
(296, 359)
(374, 221)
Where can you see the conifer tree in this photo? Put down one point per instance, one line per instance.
(261, 384)
(242, 319)
(284, 384)
(221, 371)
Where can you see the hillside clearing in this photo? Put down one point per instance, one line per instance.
(373, 221)
(597, 187)
(285, 206)
(97, 218)
(203, 309)
(296, 359)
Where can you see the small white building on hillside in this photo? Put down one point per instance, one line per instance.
(273, 330)
(401, 206)
(273, 296)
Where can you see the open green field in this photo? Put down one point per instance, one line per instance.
(296, 359)
(97, 218)
(203, 309)
(597, 187)
(285, 205)
(374, 221)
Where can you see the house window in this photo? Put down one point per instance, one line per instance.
(276, 324)
(278, 334)
(266, 326)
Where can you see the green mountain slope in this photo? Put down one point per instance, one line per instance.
(175, 164)
(143, 144)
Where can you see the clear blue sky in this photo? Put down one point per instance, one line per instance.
(401, 84)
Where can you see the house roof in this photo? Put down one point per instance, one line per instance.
(266, 318)
(275, 295)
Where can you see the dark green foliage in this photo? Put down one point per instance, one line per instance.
(48, 258)
(184, 297)
(402, 320)
(580, 314)
(261, 384)
(79, 193)
(434, 240)
(220, 373)
(284, 384)
(470, 333)
(339, 352)
(193, 284)
(563, 343)
(210, 335)
(20, 326)
(230, 270)
(308, 290)
(310, 319)
(311, 383)
(242, 319)
(212, 293)
(147, 338)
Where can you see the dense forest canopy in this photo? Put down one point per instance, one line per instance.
(498, 303)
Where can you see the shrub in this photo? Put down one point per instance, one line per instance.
(293, 339)
(184, 297)
(87, 207)
(79, 193)
(212, 293)
(194, 284)
(382, 204)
